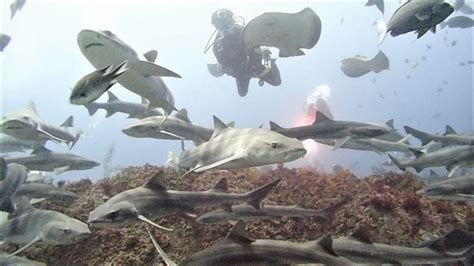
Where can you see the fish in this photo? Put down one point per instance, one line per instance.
(238, 248)
(450, 137)
(339, 131)
(415, 15)
(103, 48)
(26, 124)
(287, 32)
(177, 127)
(455, 188)
(16, 6)
(12, 177)
(358, 66)
(115, 105)
(4, 41)
(378, 3)
(31, 225)
(10, 144)
(461, 22)
(7, 260)
(461, 6)
(231, 148)
(453, 43)
(38, 191)
(42, 159)
(451, 157)
(359, 248)
(245, 212)
(153, 200)
(90, 87)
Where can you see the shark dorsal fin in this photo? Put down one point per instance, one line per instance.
(389, 123)
(231, 124)
(362, 234)
(320, 117)
(69, 122)
(239, 234)
(221, 186)
(144, 100)
(219, 126)
(182, 115)
(433, 173)
(326, 243)
(3, 169)
(417, 153)
(156, 182)
(23, 205)
(112, 97)
(449, 130)
(31, 106)
(300, 203)
(40, 149)
(151, 56)
(274, 126)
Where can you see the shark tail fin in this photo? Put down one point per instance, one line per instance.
(381, 28)
(397, 162)
(424, 137)
(76, 138)
(256, 196)
(91, 108)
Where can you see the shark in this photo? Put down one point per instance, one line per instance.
(450, 137)
(12, 176)
(231, 148)
(239, 248)
(153, 200)
(103, 48)
(9, 144)
(339, 131)
(177, 127)
(26, 124)
(359, 248)
(451, 157)
(32, 225)
(115, 105)
(245, 212)
(42, 159)
(456, 188)
(7, 260)
(39, 191)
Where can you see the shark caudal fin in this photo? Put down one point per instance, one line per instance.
(256, 196)
(76, 138)
(91, 108)
(396, 162)
(424, 137)
(381, 28)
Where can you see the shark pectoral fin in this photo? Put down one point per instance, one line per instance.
(148, 69)
(60, 170)
(218, 163)
(452, 168)
(35, 201)
(51, 137)
(172, 135)
(109, 113)
(36, 239)
(340, 142)
(238, 234)
(162, 253)
(143, 218)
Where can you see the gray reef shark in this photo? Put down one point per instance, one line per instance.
(456, 188)
(103, 48)
(32, 225)
(10, 144)
(231, 148)
(39, 191)
(115, 105)
(450, 137)
(451, 157)
(153, 200)
(26, 124)
(12, 176)
(42, 159)
(340, 131)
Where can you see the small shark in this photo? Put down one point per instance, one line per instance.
(231, 148)
(455, 188)
(115, 105)
(360, 249)
(42, 159)
(153, 200)
(448, 138)
(7, 260)
(245, 212)
(39, 191)
(12, 176)
(10, 144)
(32, 225)
(451, 157)
(26, 124)
(238, 248)
(340, 131)
(177, 127)
(103, 48)
(16, 6)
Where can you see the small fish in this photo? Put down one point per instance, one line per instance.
(428, 46)
(453, 43)
(423, 58)
(407, 60)
(4, 41)
(92, 86)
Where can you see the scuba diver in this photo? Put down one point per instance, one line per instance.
(232, 57)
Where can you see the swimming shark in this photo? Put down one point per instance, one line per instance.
(177, 126)
(238, 248)
(153, 200)
(231, 148)
(7, 260)
(26, 124)
(451, 157)
(39, 191)
(359, 248)
(459, 188)
(340, 131)
(115, 105)
(450, 137)
(103, 48)
(12, 176)
(32, 225)
(42, 159)
(10, 144)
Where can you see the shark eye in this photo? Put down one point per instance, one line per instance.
(67, 232)
(112, 215)
(275, 145)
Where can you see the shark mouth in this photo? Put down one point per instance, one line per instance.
(92, 45)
